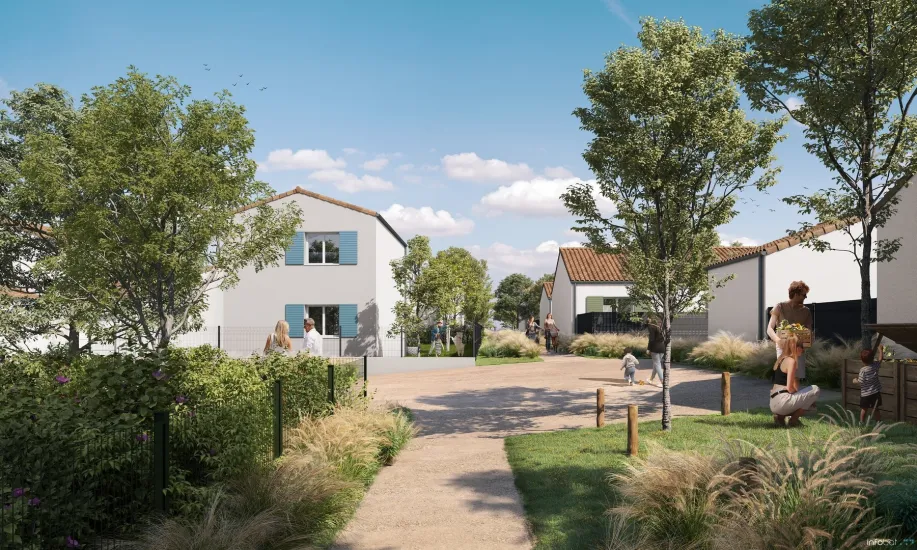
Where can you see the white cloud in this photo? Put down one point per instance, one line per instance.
(539, 197)
(727, 240)
(351, 151)
(794, 103)
(406, 167)
(572, 244)
(469, 166)
(304, 159)
(376, 164)
(412, 178)
(351, 183)
(557, 172)
(426, 221)
(617, 8)
(503, 258)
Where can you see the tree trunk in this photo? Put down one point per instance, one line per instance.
(666, 369)
(73, 341)
(865, 289)
(165, 332)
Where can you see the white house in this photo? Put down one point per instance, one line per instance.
(544, 306)
(898, 278)
(584, 282)
(337, 272)
(762, 275)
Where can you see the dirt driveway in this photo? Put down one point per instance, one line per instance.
(453, 488)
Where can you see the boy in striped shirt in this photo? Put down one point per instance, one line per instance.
(870, 385)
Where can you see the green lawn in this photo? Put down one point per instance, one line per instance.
(425, 349)
(488, 361)
(562, 475)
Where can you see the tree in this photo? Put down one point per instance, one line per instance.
(851, 65)
(407, 273)
(736, 244)
(513, 301)
(457, 284)
(152, 218)
(672, 150)
(32, 304)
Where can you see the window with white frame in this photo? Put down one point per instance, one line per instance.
(327, 319)
(323, 248)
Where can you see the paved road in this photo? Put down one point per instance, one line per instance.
(452, 488)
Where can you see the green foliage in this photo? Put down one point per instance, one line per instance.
(457, 283)
(513, 303)
(613, 345)
(150, 220)
(508, 343)
(844, 70)
(672, 150)
(407, 273)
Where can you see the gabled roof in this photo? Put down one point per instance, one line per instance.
(776, 245)
(584, 265)
(549, 288)
(300, 191)
(17, 293)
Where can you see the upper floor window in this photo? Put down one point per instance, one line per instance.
(324, 248)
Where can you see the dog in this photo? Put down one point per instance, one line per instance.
(459, 344)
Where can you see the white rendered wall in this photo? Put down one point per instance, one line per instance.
(544, 307)
(388, 248)
(898, 278)
(832, 276)
(562, 299)
(608, 290)
(735, 306)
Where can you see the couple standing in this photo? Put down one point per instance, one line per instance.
(279, 340)
(788, 399)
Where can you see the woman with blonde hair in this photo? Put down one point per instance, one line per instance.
(787, 399)
(279, 340)
(550, 332)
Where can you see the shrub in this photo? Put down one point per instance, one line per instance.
(508, 343)
(825, 361)
(609, 344)
(724, 351)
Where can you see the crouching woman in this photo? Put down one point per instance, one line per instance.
(787, 399)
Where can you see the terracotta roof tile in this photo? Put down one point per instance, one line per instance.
(726, 253)
(584, 265)
(306, 192)
(17, 294)
(777, 244)
(549, 288)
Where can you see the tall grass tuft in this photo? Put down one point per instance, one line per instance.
(825, 361)
(610, 344)
(508, 343)
(724, 351)
(811, 494)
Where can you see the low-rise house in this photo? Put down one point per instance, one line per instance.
(544, 306)
(898, 278)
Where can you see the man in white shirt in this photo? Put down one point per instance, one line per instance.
(312, 340)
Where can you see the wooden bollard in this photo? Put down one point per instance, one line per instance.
(727, 394)
(633, 443)
(600, 407)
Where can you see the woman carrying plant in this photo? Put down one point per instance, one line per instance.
(791, 312)
(279, 340)
(550, 332)
(787, 399)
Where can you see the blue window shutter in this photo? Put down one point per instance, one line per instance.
(348, 314)
(296, 252)
(295, 315)
(348, 248)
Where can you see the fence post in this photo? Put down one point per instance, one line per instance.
(219, 327)
(726, 406)
(278, 418)
(340, 345)
(633, 443)
(365, 374)
(600, 407)
(160, 461)
(331, 384)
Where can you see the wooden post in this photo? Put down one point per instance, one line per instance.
(633, 444)
(600, 407)
(726, 406)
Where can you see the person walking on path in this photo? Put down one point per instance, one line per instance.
(629, 366)
(312, 340)
(279, 340)
(792, 311)
(436, 335)
(550, 332)
(656, 349)
(531, 328)
(787, 399)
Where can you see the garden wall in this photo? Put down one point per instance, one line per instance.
(899, 389)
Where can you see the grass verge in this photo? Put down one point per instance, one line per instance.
(562, 476)
(490, 361)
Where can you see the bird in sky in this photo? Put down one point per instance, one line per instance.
(262, 89)
(240, 76)
(206, 67)
(234, 83)
(247, 83)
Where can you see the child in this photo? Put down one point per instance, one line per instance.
(870, 385)
(629, 366)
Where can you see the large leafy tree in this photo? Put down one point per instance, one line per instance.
(32, 305)
(533, 296)
(152, 218)
(414, 305)
(672, 150)
(513, 299)
(455, 283)
(846, 70)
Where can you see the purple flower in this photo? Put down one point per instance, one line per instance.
(61, 379)
(18, 492)
(33, 418)
(34, 501)
(72, 542)
(181, 399)
(159, 375)
(191, 414)
(142, 438)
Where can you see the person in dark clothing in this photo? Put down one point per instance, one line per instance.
(656, 348)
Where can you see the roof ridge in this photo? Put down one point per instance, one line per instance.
(300, 191)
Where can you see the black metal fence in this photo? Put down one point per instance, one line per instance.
(95, 490)
(835, 321)
(692, 326)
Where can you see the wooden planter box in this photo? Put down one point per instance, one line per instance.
(899, 390)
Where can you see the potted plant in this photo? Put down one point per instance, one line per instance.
(803, 335)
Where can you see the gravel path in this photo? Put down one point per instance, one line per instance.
(452, 488)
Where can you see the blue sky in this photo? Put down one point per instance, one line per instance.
(452, 118)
